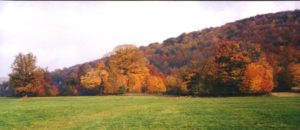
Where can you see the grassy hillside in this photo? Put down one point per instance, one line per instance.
(150, 112)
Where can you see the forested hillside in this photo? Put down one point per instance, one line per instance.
(277, 35)
(255, 55)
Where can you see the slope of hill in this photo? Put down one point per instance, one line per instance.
(278, 35)
(274, 32)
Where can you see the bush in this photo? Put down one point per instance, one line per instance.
(122, 90)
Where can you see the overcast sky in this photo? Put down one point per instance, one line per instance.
(65, 33)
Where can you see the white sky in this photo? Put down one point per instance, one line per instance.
(65, 33)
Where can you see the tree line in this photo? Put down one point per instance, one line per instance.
(252, 56)
(236, 68)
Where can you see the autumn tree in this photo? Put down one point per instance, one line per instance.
(195, 84)
(26, 78)
(129, 63)
(71, 83)
(197, 77)
(82, 70)
(258, 78)
(285, 57)
(94, 78)
(42, 82)
(91, 79)
(294, 75)
(115, 84)
(153, 70)
(172, 85)
(53, 91)
(155, 84)
(230, 61)
(175, 85)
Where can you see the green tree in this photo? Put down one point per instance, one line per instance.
(230, 61)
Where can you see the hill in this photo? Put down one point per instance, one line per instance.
(276, 34)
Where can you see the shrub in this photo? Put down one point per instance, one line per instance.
(122, 90)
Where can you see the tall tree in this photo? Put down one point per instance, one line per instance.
(128, 62)
(230, 61)
(22, 78)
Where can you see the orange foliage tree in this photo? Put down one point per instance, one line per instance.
(114, 83)
(258, 78)
(155, 84)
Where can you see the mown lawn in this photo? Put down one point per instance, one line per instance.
(150, 112)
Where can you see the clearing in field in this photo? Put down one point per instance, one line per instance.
(150, 112)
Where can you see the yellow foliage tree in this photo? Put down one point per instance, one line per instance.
(91, 79)
(95, 77)
(175, 85)
(171, 81)
(129, 63)
(135, 83)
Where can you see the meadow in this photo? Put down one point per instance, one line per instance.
(150, 112)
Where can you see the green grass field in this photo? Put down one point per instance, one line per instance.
(150, 112)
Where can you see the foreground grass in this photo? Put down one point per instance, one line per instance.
(150, 112)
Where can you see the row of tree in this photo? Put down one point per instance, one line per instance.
(236, 68)
(126, 70)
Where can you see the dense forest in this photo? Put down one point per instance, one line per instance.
(252, 56)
